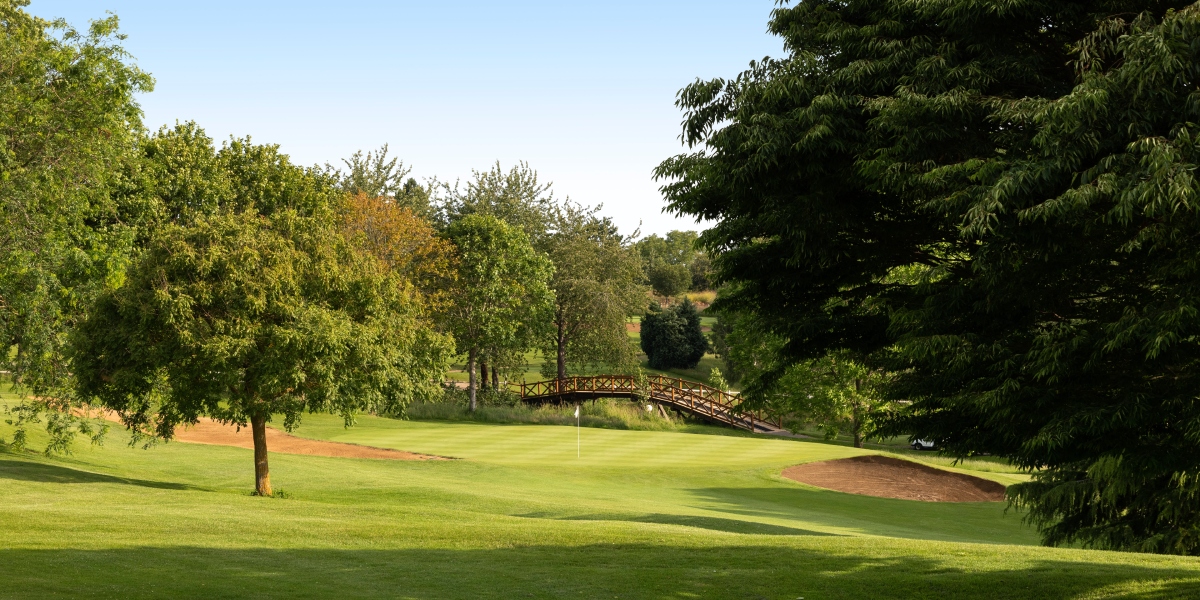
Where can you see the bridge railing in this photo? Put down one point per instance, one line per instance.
(696, 397)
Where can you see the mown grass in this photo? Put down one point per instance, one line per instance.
(641, 514)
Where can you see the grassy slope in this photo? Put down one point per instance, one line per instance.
(641, 515)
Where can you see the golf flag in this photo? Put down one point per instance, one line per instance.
(576, 411)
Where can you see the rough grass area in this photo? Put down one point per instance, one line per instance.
(642, 514)
(604, 413)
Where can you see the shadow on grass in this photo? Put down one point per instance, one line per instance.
(21, 470)
(975, 522)
(709, 523)
(591, 571)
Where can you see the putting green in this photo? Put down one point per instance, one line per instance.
(639, 515)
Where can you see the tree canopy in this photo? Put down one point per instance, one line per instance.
(517, 197)
(501, 298)
(997, 203)
(674, 263)
(247, 301)
(68, 121)
(597, 285)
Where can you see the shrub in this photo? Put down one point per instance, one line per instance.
(672, 338)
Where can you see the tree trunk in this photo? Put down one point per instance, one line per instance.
(483, 373)
(262, 474)
(471, 377)
(495, 378)
(562, 349)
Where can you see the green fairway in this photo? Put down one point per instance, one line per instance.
(639, 515)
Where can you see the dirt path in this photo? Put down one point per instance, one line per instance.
(208, 431)
(886, 477)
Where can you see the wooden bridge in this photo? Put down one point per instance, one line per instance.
(688, 396)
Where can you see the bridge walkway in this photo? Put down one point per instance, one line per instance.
(688, 396)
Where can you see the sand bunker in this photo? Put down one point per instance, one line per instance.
(894, 478)
(208, 431)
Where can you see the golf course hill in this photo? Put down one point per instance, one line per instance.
(640, 514)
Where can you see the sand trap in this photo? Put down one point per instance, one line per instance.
(208, 431)
(886, 477)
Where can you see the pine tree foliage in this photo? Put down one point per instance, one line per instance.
(997, 201)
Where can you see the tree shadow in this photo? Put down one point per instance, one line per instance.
(700, 522)
(20, 470)
(618, 570)
(982, 522)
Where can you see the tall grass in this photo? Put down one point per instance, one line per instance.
(607, 414)
(505, 407)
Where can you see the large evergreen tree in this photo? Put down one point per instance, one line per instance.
(996, 199)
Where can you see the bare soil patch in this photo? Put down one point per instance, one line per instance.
(886, 477)
(208, 431)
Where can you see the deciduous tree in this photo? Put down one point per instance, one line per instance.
(596, 288)
(517, 197)
(670, 280)
(998, 197)
(501, 296)
(242, 317)
(402, 241)
(69, 123)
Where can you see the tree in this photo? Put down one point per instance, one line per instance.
(670, 280)
(676, 248)
(596, 286)
(701, 269)
(403, 241)
(69, 123)
(240, 317)
(978, 194)
(501, 295)
(374, 175)
(672, 338)
(516, 197)
(836, 392)
(666, 259)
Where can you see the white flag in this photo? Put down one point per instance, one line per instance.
(576, 411)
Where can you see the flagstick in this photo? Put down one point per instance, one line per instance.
(578, 443)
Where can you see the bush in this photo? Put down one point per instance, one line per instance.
(605, 413)
(672, 338)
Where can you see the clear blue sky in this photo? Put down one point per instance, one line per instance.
(583, 91)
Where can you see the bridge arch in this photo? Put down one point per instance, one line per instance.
(688, 396)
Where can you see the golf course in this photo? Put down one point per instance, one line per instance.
(766, 300)
(640, 514)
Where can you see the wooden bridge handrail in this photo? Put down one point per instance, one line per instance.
(676, 390)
